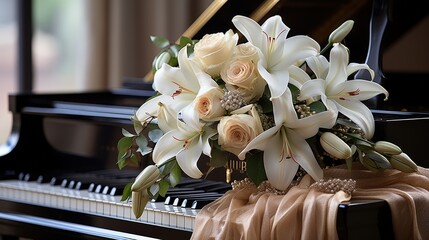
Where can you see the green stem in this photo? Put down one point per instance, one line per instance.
(166, 162)
(353, 136)
(326, 48)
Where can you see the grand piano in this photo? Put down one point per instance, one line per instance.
(72, 137)
(59, 178)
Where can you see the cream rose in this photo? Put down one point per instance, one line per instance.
(208, 104)
(213, 50)
(247, 51)
(243, 76)
(237, 130)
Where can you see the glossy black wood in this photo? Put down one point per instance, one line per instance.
(49, 130)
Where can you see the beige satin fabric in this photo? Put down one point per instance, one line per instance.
(304, 213)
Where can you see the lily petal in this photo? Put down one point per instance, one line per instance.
(353, 67)
(167, 118)
(319, 65)
(187, 158)
(361, 90)
(150, 107)
(312, 88)
(297, 76)
(280, 169)
(299, 47)
(360, 114)
(303, 155)
(277, 81)
(249, 28)
(260, 142)
(168, 146)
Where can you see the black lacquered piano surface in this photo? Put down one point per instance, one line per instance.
(72, 138)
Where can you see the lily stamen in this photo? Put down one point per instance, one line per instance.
(354, 93)
(180, 90)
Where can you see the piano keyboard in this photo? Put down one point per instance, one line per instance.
(47, 195)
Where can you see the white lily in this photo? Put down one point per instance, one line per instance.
(339, 94)
(186, 141)
(178, 86)
(277, 53)
(284, 145)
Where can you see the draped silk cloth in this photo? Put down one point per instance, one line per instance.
(306, 213)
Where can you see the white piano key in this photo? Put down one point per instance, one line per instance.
(165, 218)
(99, 206)
(128, 212)
(113, 210)
(120, 210)
(91, 203)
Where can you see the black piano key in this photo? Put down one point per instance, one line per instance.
(220, 188)
(64, 183)
(198, 204)
(82, 185)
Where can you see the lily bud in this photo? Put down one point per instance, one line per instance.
(164, 57)
(335, 146)
(146, 178)
(341, 32)
(385, 147)
(403, 163)
(375, 161)
(139, 200)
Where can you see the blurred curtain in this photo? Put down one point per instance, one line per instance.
(118, 36)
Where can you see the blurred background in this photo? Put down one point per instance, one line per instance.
(93, 45)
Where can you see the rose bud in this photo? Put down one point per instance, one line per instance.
(403, 163)
(385, 147)
(335, 146)
(146, 178)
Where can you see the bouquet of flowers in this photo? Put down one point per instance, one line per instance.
(276, 102)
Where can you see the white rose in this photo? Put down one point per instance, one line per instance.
(213, 50)
(208, 104)
(244, 76)
(236, 131)
(247, 51)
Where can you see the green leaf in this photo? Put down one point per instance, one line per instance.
(163, 187)
(219, 158)
(147, 150)
(153, 190)
(126, 133)
(155, 134)
(190, 49)
(295, 92)
(174, 50)
(255, 168)
(317, 106)
(124, 144)
(184, 41)
(122, 163)
(175, 175)
(166, 169)
(124, 151)
(135, 159)
(266, 104)
(349, 163)
(160, 42)
(141, 142)
(137, 125)
(126, 194)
